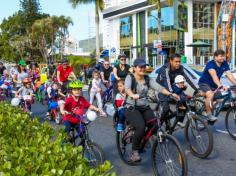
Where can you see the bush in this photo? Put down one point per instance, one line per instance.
(30, 148)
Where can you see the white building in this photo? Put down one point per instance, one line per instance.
(131, 26)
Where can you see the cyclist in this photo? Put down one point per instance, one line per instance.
(2, 68)
(105, 72)
(52, 70)
(75, 102)
(137, 110)
(166, 78)
(64, 71)
(120, 71)
(21, 74)
(210, 79)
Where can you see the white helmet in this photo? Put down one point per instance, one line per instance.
(15, 101)
(91, 115)
(179, 79)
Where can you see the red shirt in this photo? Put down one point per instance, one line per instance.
(71, 104)
(64, 74)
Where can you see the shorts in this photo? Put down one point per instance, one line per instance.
(205, 87)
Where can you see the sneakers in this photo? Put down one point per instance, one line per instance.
(212, 118)
(120, 127)
(181, 124)
(48, 116)
(135, 157)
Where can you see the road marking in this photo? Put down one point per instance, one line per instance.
(222, 131)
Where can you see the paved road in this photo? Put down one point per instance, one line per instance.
(221, 162)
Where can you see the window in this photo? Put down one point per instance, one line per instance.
(126, 33)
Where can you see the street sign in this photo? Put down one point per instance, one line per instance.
(158, 45)
(113, 50)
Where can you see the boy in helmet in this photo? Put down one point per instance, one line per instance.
(75, 102)
(179, 87)
(27, 89)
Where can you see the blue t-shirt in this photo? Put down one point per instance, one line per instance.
(206, 77)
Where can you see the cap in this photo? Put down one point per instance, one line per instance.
(139, 62)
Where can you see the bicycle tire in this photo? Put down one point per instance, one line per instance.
(228, 124)
(190, 145)
(160, 162)
(124, 155)
(91, 148)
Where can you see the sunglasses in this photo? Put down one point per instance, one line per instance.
(65, 64)
(123, 59)
(106, 64)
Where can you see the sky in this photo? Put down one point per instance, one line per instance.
(81, 28)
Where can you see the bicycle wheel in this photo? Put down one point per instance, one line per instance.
(124, 144)
(93, 153)
(168, 157)
(230, 122)
(199, 137)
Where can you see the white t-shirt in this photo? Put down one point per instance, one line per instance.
(20, 77)
(96, 83)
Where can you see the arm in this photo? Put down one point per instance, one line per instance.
(60, 93)
(115, 73)
(164, 79)
(72, 74)
(157, 87)
(102, 76)
(214, 76)
(230, 76)
(58, 77)
(128, 84)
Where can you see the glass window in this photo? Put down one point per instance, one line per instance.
(203, 25)
(126, 31)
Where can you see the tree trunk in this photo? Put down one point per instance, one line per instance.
(159, 19)
(97, 33)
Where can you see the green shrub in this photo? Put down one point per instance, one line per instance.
(30, 148)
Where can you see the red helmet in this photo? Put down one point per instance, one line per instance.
(27, 80)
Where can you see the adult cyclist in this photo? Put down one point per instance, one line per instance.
(64, 72)
(210, 79)
(137, 110)
(166, 78)
(105, 72)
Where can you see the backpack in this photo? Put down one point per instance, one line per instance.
(151, 92)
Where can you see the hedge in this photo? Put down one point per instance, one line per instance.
(28, 147)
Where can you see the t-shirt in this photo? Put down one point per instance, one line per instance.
(96, 83)
(25, 91)
(64, 74)
(206, 77)
(20, 77)
(106, 72)
(122, 73)
(71, 104)
(120, 99)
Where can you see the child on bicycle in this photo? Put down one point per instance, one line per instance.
(96, 90)
(119, 101)
(53, 93)
(75, 102)
(179, 87)
(27, 89)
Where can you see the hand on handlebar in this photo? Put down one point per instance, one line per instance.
(135, 96)
(176, 97)
(64, 112)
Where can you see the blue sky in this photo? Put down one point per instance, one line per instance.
(80, 15)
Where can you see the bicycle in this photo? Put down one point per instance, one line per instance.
(198, 134)
(107, 96)
(55, 112)
(167, 155)
(220, 99)
(91, 150)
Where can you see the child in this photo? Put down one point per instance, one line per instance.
(27, 89)
(75, 102)
(120, 99)
(178, 88)
(53, 93)
(96, 90)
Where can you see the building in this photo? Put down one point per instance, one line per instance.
(72, 47)
(131, 27)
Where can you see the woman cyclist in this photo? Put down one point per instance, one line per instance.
(120, 71)
(137, 110)
(20, 75)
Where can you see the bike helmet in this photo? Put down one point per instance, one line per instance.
(27, 80)
(75, 85)
(179, 79)
(22, 63)
(64, 61)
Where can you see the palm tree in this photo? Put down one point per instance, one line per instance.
(99, 6)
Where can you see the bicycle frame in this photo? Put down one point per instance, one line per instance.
(107, 94)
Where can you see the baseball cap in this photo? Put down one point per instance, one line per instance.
(140, 62)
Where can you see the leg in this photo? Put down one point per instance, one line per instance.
(100, 105)
(165, 109)
(136, 119)
(120, 124)
(92, 94)
(68, 126)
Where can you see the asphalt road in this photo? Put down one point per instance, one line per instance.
(221, 162)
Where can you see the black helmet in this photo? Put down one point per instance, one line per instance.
(121, 55)
(64, 61)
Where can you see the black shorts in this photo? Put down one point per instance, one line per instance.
(205, 87)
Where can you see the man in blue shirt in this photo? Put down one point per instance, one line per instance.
(210, 79)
